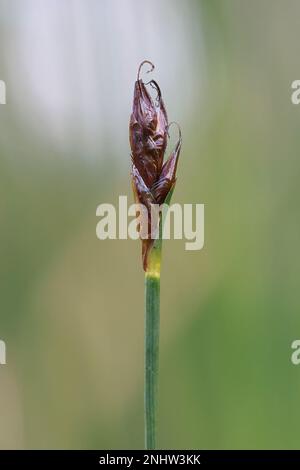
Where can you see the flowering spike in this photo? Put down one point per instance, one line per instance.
(152, 179)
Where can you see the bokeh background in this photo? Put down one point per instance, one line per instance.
(71, 306)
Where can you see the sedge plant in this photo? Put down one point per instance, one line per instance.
(153, 182)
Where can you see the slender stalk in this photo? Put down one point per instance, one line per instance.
(152, 317)
(152, 286)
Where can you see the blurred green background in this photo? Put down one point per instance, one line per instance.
(71, 306)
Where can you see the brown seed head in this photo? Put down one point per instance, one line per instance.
(148, 134)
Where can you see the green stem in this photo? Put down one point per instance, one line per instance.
(152, 293)
(152, 314)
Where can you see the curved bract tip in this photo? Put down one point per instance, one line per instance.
(178, 128)
(155, 85)
(141, 66)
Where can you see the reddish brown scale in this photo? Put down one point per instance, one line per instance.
(152, 179)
